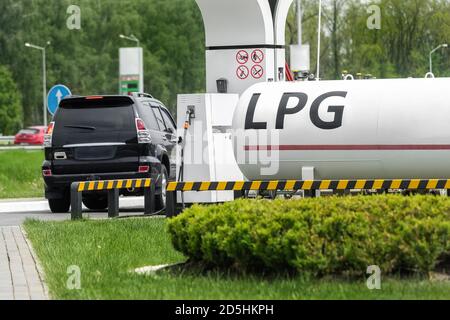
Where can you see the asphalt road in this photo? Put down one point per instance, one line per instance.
(15, 212)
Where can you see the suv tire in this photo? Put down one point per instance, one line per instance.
(59, 205)
(160, 199)
(96, 202)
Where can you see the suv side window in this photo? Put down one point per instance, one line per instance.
(149, 117)
(168, 120)
(159, 117)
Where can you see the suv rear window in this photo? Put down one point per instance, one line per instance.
(105, 120)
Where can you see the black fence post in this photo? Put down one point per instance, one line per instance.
(113, 203)
(171, 203)
(149, 199)
(239, 194)
(75, 202)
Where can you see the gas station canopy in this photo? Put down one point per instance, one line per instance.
(248, 35)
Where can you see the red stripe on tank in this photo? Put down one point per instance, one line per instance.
(387, 147)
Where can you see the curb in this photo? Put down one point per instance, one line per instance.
(38, 265)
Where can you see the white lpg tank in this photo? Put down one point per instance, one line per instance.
(364, 129)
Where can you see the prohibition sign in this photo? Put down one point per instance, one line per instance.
(242, 57)
(257, 56)
(242, 72)
(257, 71)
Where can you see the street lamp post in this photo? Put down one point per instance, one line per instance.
(319, 39)
(299, 22)
(44, 77)
(132, 37)
(445, 45)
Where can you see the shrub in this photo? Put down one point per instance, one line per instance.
(318, 236)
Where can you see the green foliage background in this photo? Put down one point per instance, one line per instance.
(10, 107)
(171, 32)
(86, 60)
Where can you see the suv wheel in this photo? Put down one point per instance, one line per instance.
(96, 202)
(59, 205)
(160, 200)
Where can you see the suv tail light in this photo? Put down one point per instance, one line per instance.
(48, 135)
(144, 169)
(142, 132)
(47, 172)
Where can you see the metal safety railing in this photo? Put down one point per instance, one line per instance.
(7, 138)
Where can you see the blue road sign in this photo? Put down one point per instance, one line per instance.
(55, 95)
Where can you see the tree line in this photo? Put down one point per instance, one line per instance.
(171, 32)
(399, 47)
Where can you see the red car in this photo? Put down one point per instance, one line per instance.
(31, 136)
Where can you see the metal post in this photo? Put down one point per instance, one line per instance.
(319, 40)
(75, 202)
(431, 62)
(299, 21)
(149, 199)
(44, 80)
(171, 202)
(113, 203)
(239, 194)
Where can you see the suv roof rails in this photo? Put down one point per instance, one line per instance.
(142, 95)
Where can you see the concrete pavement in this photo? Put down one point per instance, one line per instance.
(20, 274)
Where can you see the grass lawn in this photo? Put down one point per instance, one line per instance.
(20, 174)
(106, 250)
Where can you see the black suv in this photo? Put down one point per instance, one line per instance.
(106, 138)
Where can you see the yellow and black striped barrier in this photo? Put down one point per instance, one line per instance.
(114, 184)
(307, 185)
(301, 185)
(113, 188)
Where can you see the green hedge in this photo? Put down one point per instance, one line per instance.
(318, 236)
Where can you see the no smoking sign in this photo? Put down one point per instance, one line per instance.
(257, 71)
(242, 72)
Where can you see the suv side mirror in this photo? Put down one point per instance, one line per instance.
(170, 130)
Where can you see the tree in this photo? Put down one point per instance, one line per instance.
(335, 24)
(10, 104)
(87, 60)
(409, 31)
